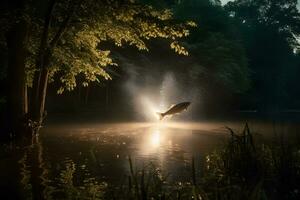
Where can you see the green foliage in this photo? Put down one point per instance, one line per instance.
(245, 169)
(220, 55)
(90, 189)
(64, 187)
(281, 15)
(80, 51)
(270, 32)
(224, 61)
(150, 182)
(237, 168)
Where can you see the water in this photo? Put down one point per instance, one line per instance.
(105, 148)
(101, 150)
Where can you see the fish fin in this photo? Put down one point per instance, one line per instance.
(160, 115)
(172, 106)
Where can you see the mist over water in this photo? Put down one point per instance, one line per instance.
(151, 92)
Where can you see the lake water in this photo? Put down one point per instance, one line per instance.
(105, 148)
(102, 150)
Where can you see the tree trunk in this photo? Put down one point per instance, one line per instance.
(37, 106)
(40, 83)
(86, 99)
(17, 95)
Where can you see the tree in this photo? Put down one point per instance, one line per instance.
(216, 45)
(14, 37)
(220, 65)
(217, 67)
(269, 30)
(65, 43)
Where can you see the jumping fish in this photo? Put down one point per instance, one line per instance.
(174, 109)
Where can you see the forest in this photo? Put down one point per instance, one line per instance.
(82, 82)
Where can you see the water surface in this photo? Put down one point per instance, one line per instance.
(101, 150)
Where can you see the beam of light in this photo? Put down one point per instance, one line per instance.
(152, 103)
(148, 108)
(149, 97)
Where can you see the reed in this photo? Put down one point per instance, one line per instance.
(246, 169)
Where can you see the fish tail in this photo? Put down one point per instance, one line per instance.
(160, 115)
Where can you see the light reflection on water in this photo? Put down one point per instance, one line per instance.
(101, 150)
(155, 139)
(105, 148)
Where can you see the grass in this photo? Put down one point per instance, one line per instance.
(245, 169)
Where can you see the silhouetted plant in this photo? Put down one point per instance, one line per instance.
(245, 169)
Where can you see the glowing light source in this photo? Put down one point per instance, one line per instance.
(149, 108)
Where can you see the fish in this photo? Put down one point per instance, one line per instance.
(174, 109)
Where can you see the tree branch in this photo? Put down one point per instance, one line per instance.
(63, 26)
(47, 23)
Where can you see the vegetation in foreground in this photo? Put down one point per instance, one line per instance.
(242, 169)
